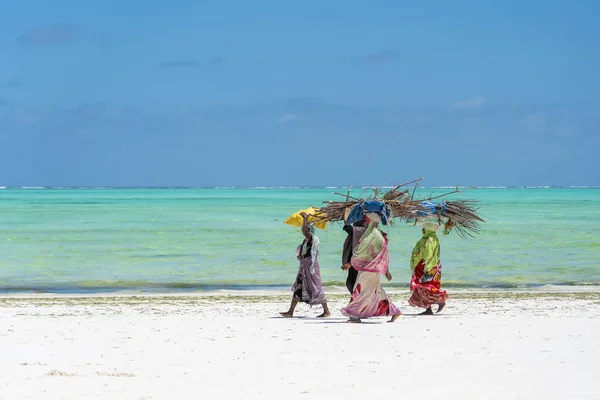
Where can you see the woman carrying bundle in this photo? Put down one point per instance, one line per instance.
(354, 232)
(371, 259)
(426, 267)
(308, 287)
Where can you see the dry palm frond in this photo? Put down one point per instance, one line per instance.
(463, 216)
(460, 215)
(334, 210)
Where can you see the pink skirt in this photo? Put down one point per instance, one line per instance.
(368, 298)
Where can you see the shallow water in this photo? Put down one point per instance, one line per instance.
(187, 239)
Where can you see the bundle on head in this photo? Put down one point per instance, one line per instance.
(454, 214)
(335, 210)
(460, 215)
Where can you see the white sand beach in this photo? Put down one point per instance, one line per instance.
(485, 345)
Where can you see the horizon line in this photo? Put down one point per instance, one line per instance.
(58, 187)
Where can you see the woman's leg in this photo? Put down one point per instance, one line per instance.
(290, 312)
(395, 316)
(428, 311)
(326, 312)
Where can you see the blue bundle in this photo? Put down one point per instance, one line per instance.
(430, 208)
(365, 207)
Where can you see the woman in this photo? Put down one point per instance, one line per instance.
(308, 287)
(371, 259)
(426, 281)
(354, 232)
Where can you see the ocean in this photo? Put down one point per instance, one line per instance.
(186, 239)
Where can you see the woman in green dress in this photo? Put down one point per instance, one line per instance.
(426, 267)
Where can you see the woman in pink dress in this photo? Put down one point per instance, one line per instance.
(371, 260)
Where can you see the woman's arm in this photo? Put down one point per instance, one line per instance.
(347, 249)
(314, 253)
(305, 228)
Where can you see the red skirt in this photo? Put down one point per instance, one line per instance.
(427, 290)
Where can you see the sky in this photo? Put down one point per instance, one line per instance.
(312, 93)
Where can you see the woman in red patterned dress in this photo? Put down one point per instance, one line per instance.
(426, 280)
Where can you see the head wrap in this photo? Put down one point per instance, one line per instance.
(431, 226)
(374, 217)
(371, 206)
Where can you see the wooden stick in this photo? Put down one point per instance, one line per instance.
(445, 194)
(408, 183)
(412, 196)
(347, 196)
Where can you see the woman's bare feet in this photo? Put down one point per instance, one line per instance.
(354, 320)
(427, 312)
(395, 316)
(441, 307)
(286, 314)
(324, 315)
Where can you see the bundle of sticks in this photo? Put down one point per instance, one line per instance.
(460, 215)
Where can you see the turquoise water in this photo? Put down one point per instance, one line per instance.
(109, 239)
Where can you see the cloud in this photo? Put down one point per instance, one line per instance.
(51, 34)
(477, 102)
(287, 118)
(217, 61)
(11, 83)
(381, 57)
(192, 63)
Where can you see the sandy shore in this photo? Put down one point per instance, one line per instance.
(494, 345)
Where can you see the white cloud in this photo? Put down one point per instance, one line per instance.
(477, 102)
(287, 118)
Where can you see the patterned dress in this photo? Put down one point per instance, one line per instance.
(371, 260)
(426, 280)
(308, 287)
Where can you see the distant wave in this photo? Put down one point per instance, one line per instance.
(273, 187)
(121, 285)
(115, 286)
(355, 188)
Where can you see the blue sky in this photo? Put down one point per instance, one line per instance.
(194, 93)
